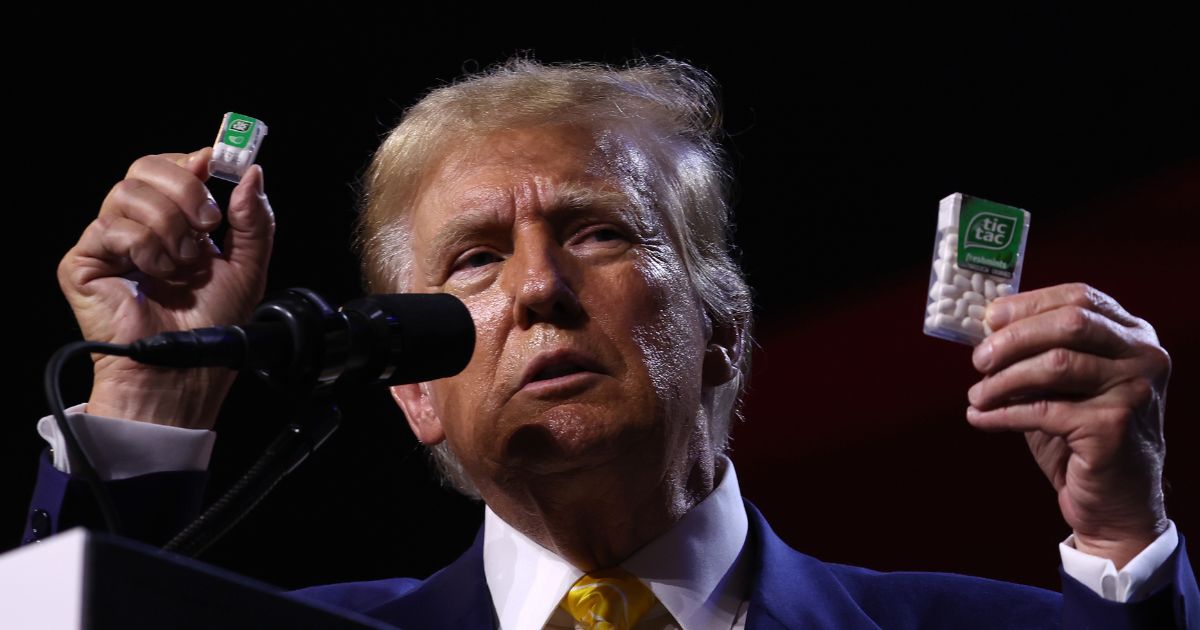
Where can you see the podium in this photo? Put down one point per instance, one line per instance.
(81, 579)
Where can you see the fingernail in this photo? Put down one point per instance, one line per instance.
(187, 247)
(983, 355)
(210, 212)
(259, 184)
(998, 314)
(212, 247)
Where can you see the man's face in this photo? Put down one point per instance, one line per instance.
(589, 338)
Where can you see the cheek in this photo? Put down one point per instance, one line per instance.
(490, 310)
(667, 330)
(466, 394)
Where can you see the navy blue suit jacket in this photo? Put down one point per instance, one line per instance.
(788, 589)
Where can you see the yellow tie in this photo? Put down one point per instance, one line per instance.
(609, 599)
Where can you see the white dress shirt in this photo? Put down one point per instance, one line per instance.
(1136, 580)
(120, 449)
(697, 570)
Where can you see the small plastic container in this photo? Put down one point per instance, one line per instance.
(236, 147)
(978, 253)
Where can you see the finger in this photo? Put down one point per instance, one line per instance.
(1069, 327)
(142, 203)
(1046, 415)
(251, 223)
(180, 185)
(1005, 310)
(195, 162)
(1111, 414)
(113, 245)
(1056, 372)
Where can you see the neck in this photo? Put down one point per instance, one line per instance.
(596, 518)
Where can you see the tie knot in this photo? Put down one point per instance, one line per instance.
(608, 599)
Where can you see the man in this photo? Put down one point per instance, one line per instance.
(580, 213)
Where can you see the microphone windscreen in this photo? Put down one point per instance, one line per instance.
(429, 335)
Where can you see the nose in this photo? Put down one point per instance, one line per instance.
(542, 285)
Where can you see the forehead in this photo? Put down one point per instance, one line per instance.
(531, 168)
(500, 161)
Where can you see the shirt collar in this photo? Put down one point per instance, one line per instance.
(695, 568)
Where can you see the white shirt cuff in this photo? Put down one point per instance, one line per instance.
(119, 449)
(1137, 579)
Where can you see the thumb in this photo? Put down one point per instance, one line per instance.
(251, 223)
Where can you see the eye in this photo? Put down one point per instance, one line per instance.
(600, 234)
(604, 234)
(475, 260)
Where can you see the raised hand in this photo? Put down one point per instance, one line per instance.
(147, 265)
(1087, 383)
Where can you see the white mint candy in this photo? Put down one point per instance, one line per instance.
(944, 305)
(942, 290)
(1003, 290)
(989, 289)
(977, 282)
(961, 282)
(972, 325)
(945, 321)
(975, 311)
(974, 298)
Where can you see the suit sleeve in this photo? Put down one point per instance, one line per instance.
(153, 508)
(155, 476)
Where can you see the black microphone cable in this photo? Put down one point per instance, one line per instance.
(80, 464)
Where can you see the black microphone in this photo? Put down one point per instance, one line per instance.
(297, 342)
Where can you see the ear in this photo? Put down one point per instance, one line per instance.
(418, 410)
(722, 353)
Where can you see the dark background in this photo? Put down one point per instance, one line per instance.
(847, 127)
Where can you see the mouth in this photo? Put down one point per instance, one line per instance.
(558, 368)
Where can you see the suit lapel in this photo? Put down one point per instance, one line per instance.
(790, 590)
(455, 597)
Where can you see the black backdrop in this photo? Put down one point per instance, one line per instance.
(846, 129)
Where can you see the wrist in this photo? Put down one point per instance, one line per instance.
(189, 399)
(1120, 546)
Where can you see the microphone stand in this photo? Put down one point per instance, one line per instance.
(303, 312)
(290, 448)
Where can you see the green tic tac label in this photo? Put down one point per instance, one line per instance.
(989, 236)
(237, 132)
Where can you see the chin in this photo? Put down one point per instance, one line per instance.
(574, 438)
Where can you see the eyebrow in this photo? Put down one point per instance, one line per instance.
(483, 217)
